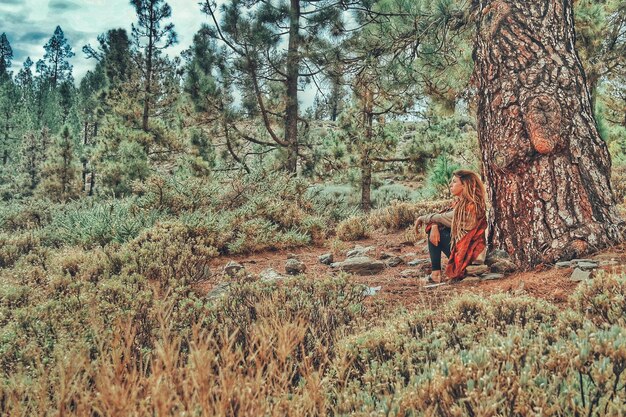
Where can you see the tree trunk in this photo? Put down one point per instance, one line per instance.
(148, 88)
(546, 168)
(366, 161)
(291, 111)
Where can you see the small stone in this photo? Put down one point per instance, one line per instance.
(496, 255)
(232, 269)
(437, 285)
(491, 276)
(411, 273)
(270, 274)
(471, 280)
(394, 261)
(292, 256)
(369, 291)
(359, 251)
(362, 265)
(575, 261)
(294, 267)
(477, 269)
(564, 264)
(503, 266)
(587, 266)
(218, 291)
(385, 255)
(417, 262)
(326, 258)
(580, 275)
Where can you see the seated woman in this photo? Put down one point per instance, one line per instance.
(458, 232)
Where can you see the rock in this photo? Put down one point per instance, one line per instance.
(385, 255)
(417, 262)
(477, 270)
(587, 266)
(471, 280)
(359, 251)
(369, 291)
(218, 291)
(412, 273)
(394, 261)
(270, 274)
(294, 267)
(503, 266)
(326, 258)
(580, 275)
(440, 284)
(232, 269)
(292, 256)
(564, 264)
(496, 255)
(575, 261)
(491, 276)
(361, 265)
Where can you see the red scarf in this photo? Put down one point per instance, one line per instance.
(466, 250)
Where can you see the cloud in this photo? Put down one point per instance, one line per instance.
(60, 6)
(35, 37)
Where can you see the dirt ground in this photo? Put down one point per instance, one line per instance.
(546, 282)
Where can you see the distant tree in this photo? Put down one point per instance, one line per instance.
(6, 56)
(601, 41)
(151, 35)
(61, 173)
(256, 34)
(55, 67)
(33, 150)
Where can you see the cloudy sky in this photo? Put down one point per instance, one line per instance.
(29, 24)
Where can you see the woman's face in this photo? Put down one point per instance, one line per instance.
(456, 186)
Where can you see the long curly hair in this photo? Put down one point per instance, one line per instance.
(471, 207)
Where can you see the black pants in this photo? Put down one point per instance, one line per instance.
(443, 246)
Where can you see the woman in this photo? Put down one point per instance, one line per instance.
(458, 232)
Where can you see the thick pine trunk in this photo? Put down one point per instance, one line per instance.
(546, 167)
(291, 113)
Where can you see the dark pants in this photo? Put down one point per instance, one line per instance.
(443, 246)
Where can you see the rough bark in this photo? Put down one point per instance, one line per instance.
(545, 165)
(291, 111)
(366, 160)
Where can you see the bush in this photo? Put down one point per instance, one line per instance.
(171, 252)
(353, 228)
(90, 224)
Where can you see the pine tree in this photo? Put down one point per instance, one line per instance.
(151, 35)
(55, 67)
(6, 56)
(61, 173)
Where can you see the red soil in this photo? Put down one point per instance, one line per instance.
(545, 282)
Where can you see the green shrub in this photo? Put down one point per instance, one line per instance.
(89, 224)
(353, 228)
(171, 252)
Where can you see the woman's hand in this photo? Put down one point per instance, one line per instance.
(434, 235)
(418, 224)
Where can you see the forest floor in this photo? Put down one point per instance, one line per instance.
(546, 282)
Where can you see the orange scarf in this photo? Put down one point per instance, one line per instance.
(466, 250)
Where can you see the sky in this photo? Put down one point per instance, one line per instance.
(29, 24)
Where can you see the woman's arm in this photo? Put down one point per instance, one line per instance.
(444, 219)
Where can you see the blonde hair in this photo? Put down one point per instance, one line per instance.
(470, 207)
